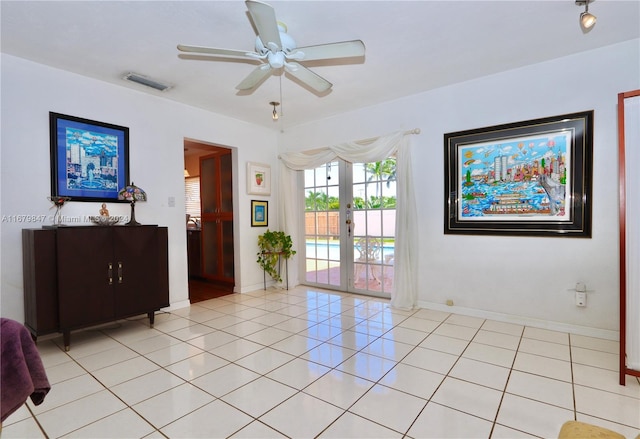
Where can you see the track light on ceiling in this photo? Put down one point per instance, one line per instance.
(274, 114)
(587, 20)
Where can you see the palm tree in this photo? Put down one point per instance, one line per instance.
(381, 171)
(389, 167)
(316, 201)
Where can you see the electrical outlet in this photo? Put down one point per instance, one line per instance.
(581, 298)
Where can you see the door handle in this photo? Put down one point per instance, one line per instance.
(348, 220)
(119, 272)
(110, 273)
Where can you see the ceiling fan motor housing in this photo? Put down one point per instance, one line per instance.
(288, 44)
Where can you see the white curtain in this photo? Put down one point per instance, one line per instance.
(405, 286)
(632, 157)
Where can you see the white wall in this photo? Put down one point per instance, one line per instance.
(157, 130)
(521, 278)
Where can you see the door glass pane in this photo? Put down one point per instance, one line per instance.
(210, 247)
(374, 192)
(207, 180)
(227, 248)
(226, 183)
(322, 225)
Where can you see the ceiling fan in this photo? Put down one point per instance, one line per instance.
(276, 50)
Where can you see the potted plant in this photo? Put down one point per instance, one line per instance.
(272, 246)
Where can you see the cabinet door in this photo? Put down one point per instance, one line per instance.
(226, 184)
(85, 276)
(137, 270)
(216, 180)
(225, 249)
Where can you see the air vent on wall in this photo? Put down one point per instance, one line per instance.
(140, 79)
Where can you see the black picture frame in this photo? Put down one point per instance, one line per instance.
(89, 159)
(259, 213)
(529, 178)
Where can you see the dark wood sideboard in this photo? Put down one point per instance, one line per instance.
(76, 277)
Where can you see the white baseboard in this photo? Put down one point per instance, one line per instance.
(255, 287)
(270, 284)
(526, 321)
(177, 305)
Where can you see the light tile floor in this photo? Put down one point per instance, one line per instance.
(311, 363)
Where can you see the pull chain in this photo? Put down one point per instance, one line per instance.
(281, 103)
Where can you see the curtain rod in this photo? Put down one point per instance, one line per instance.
(372, 139)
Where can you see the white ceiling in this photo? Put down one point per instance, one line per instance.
(411, 46)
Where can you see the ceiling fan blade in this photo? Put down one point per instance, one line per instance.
(255, 77)
(220, 52)
(303, 74)
(264, 17)
(344, 49)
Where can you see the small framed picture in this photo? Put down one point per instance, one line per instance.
(258, 179)
(259, 213)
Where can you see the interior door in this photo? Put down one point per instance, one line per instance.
(350, 226)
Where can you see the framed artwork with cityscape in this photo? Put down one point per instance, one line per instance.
(89, 159)
(523, 178)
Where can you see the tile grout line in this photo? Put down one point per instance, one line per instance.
(323, 321)
(573, 383)
(506, 384)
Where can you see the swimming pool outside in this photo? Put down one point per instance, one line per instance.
(331, 250)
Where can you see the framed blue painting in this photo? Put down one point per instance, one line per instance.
(89, 159)
(259, 213)
(524, 178)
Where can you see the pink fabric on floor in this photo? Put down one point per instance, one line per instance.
(22, 374)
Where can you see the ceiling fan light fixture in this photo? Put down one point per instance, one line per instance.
(276, 60)
(587, 19)
(274, 113)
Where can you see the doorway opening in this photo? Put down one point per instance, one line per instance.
(208, 177)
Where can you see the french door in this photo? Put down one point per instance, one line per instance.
(349, 226)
